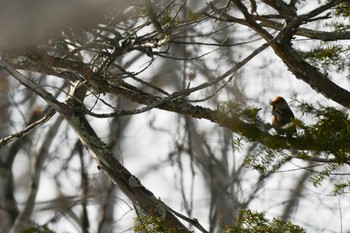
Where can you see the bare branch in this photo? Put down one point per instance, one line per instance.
(127, 182)
(28, 129)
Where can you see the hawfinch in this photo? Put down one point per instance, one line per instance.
(282, 116)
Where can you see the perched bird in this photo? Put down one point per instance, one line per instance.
(282, 115)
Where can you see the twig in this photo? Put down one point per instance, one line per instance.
(28, 129)
(193, 221)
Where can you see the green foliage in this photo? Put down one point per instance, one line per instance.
(193, 16)
(152, 224)
(319, 177)
(342, 188)
(330, 133)
(36, 228)
(327, 57)
(331, 130)
(342, 22)
(236, 110)
(237, 143)
(342, 10)
(328, 136)
(339, 26)
(245, 222)
(245, 120)
(254, 222)
(165, 20)
(264, 159)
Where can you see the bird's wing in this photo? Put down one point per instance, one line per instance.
(284, 115)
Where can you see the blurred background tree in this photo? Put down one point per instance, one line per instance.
(155, 114)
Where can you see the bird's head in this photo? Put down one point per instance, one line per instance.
(279, 102)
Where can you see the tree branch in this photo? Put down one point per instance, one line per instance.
(128, 183)
(27, 129)
(300, 68)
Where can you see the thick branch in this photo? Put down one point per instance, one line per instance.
(251, 131)
(170, 103)
(282, 7)
(300, 68)
(305, 32)
(266, 22)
